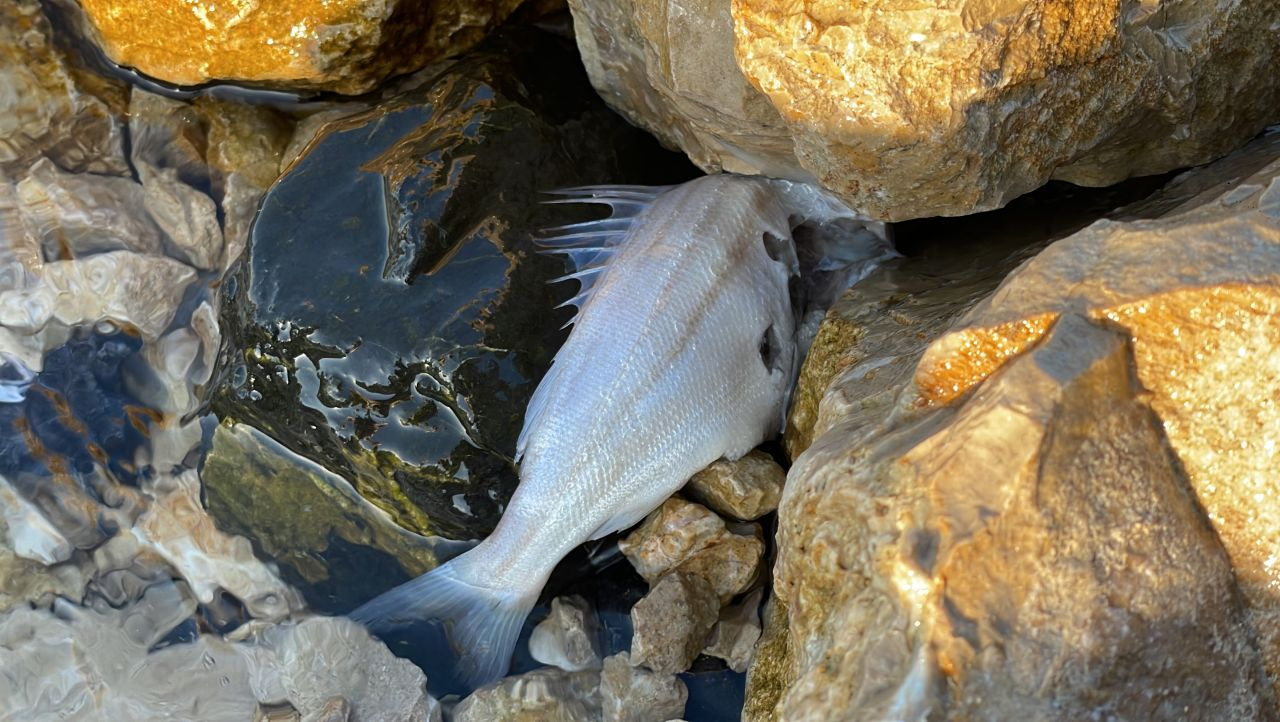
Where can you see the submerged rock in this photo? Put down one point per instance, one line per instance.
(633, 694)
(347, 46)
(543, 695)
(907, 112)
(109, 664)
(1021, 521)
(325, 538)
(48, 106)
(567, 637)
(393, 317)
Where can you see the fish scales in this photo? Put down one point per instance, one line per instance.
(682, 352)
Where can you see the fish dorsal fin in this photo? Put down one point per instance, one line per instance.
(590, 247)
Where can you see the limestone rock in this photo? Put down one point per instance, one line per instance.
(346, 46)
(633, 694)
(323, 658)
(543, 695)
(735, 635)
(908, 112)
(745, 489)
(672, 622)
(567, 637)
(1026, 528)
(670, 68)
(670, 535)
(48, 107)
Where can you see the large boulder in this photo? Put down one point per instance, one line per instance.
(1065, 502)
(908, 111)
(347, 46)
(393, 316)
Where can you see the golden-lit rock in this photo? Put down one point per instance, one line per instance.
(1065, 503)
(909, 110)
(347, 46)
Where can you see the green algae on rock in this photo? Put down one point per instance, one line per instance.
(393, 315)
(324, 537)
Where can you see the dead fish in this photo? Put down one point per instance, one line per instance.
(684, 349)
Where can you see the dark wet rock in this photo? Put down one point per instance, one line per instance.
(393, 318)
(634, 694)
(672, 622)
(567, 637)
(543, 695)
(326, 540)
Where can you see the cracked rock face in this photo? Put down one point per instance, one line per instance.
(1061, 504)
(908, 111)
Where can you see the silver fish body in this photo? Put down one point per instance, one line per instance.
(683, 351)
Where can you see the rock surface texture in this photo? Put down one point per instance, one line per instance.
(1064, 504)
(346, 46)
(908, 111)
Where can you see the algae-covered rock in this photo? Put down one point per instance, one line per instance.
(393, 317)
(324, 537)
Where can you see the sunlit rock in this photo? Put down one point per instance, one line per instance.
(907, 111)
(347, 46)
(1039, 513)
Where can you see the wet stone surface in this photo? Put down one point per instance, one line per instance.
(393, 317)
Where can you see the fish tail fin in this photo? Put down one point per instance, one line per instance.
(483, 623)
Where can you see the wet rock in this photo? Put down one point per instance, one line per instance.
(908, 113)
(338, 543)
(177, 528)
(745, 489)
(736, 633)
(335, 709)
(330, 665)
(76, 214)
(1049, 481)
(402, 354)
(347, 46)
(276, 713)
(634, 694)
(567, 637)
(108, 666)
(672, 622)
(48, 106)
(543, 695)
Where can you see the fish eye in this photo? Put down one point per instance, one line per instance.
(771, 349)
